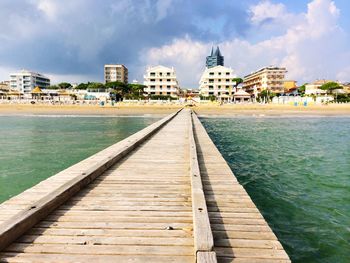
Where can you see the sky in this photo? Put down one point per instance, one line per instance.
(71, 40)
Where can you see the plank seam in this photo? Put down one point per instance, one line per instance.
(18, 224)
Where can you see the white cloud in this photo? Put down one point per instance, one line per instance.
(266, 10)
(312, 46)
(49, 7)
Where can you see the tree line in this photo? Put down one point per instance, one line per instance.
(117, 89)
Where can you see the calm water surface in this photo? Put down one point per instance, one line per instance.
(34, 148)
(297, 171)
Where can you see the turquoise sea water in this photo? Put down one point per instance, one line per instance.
(297, 171)
(34, 148)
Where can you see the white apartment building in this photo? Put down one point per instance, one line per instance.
(160, 80)
(314, 88)
(116, 72)
(25, 81)
(217, 81)
(268, 78)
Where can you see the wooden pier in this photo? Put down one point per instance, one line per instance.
(164, 194)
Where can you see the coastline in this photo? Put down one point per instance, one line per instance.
(207, 110)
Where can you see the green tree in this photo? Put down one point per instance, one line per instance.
(82, 86)
(53, 87)
(96, 86)
(136, 90)
(329, 87)
(238, 81)
(266, 95)
(64, 85)
(302, 88)
(117, 89)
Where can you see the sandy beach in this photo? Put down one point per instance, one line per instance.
(161, 110)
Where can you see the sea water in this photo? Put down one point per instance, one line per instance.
(34, 148)
(297, 171)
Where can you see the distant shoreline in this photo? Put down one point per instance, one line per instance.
(205, 110)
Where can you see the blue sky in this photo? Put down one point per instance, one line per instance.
(71, 40)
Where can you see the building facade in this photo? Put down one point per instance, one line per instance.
(215, 59)
(268, 78)
(116, 72)
(161, 80)
(25, 81)
(314, 88)
(5, 85)
(217, 81)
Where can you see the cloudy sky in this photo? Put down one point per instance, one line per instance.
(71, 40)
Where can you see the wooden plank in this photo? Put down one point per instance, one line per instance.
(100, 249)
(206, 257)
(92, 240)
(203, 237)
(15, 226)
(184, 233)
(73, 258)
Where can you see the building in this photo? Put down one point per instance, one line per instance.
(161, 80)
(289, 85)
(215, 59)
(25, 81)
(217, 81)
(5, 85)
(268, 78)
(314, 88)
(116, 73)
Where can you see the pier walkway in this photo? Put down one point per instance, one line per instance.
(165, 194)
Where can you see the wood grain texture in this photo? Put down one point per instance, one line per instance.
(240, 232)
(169, 197)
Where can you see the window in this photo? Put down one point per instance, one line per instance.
(153, 74)
(168, 93)
(227, 73)
(168, 73)
(168, 87)
(227, 80)
(168, 80)
(211, 73)
(219, 73)
(153, 80)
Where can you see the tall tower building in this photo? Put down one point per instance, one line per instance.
(215, 58)
(116, 72)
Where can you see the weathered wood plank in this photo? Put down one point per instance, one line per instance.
(203, 237)
(240, 232)
(15, 226)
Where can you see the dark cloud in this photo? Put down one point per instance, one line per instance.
(78, 37)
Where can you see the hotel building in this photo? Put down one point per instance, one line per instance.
(116, 73)
(268, 78)
(25, 81)
(217, 81)
(215, 59)
(161, 80)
